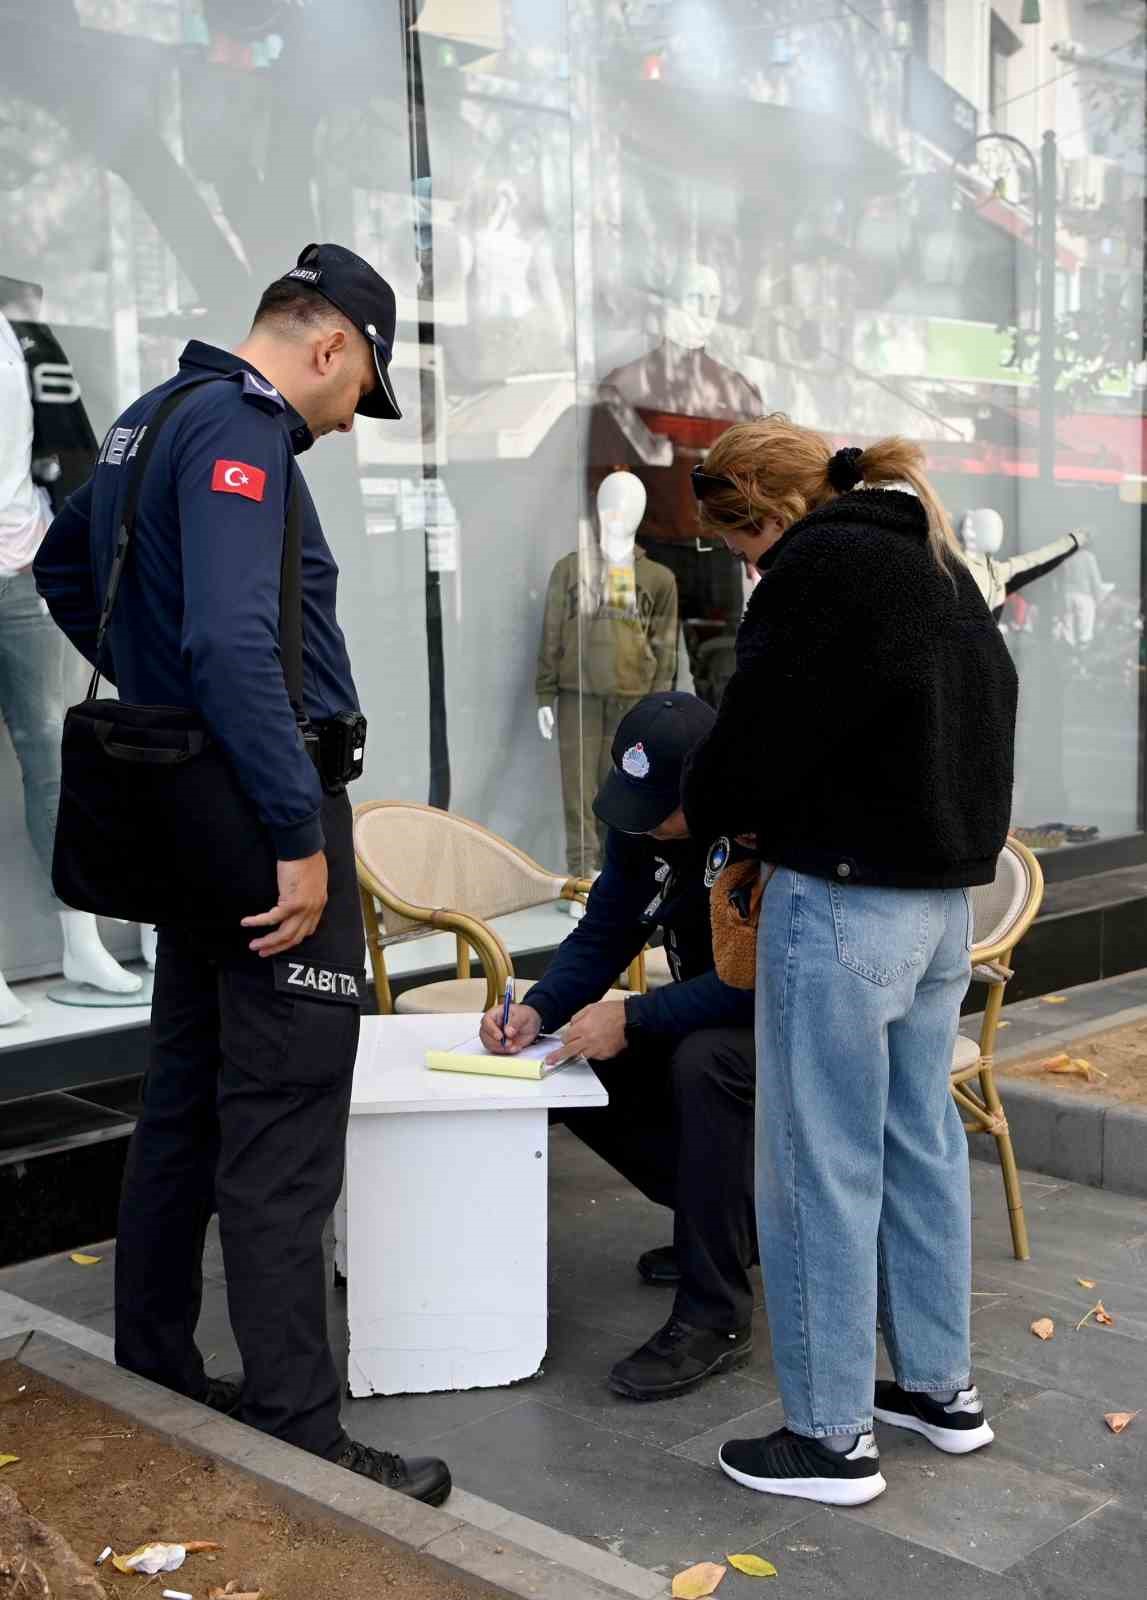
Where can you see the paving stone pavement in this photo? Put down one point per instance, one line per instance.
(1056, 1508)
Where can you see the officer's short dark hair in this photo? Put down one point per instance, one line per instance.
(296, 307)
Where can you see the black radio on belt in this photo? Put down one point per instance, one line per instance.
(337, 746)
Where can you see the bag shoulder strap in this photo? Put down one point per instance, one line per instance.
(290, 572)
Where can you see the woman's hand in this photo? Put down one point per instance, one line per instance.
(597, 1032)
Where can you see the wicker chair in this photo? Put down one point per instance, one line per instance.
(423, 871)
(1002, 912)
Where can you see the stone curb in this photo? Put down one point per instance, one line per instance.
(470, 1535)
(1095, 1141)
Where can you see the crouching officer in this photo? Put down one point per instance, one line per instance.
(678, 1062)
(254, 1027)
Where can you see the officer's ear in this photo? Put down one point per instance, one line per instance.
(327, 348)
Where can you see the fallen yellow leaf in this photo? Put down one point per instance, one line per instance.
(1104, 1317)
(696, 1582)
(1071, 1066)
(1118, 1420)
(753, 1566)
(1043, 1328)
(1054, 999)
(6, 1461)
(82, 1260)
(1086, 1283)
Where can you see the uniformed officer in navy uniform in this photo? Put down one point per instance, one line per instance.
(254, 1028)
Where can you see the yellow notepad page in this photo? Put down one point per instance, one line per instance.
(472, 1056)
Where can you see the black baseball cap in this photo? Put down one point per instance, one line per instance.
(352, 284)
(648, 755)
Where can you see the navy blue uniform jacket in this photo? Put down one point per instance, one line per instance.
(644, 884)
(197, 619)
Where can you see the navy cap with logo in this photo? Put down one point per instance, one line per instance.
(648, 755)
(355, 288)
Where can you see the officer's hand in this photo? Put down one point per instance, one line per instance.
(598, 1033)
(524, 1026)
(302, 900)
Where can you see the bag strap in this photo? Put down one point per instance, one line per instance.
(290, 571)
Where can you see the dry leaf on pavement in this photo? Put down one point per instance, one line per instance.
(753, 1566)
(1086, 1283)
(1054, 999)
(1043, 1328)
(1102, 1316)
(1118, 1420)
(82, 1260)
(696, 1582)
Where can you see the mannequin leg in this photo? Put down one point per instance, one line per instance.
(579, 736)
(86, 960)
(148, 939)
(10, 1008)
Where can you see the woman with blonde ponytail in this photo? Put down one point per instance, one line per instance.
(865, 743)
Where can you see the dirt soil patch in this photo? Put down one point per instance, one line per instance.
(1121, 1053)
(98, 1478)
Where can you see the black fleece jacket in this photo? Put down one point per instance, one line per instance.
(867, 734)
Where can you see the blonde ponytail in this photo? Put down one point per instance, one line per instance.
(777, 468)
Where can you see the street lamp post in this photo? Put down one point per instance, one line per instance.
(1047, 364)
(1044, 180)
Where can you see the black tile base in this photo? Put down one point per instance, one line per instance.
(57, 1202)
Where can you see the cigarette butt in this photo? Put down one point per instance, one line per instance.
(175, 1594)
(103, 1555)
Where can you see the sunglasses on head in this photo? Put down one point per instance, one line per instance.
(707, 483)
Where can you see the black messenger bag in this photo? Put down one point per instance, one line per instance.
(153, 825)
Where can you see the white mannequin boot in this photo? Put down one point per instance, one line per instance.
(86, 960)
(148, 939)
(10, 1008)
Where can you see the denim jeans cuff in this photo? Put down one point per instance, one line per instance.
(832, 1432)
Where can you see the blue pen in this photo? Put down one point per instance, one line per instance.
(507, 1002)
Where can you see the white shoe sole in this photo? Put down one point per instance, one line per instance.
(829, 1491)
(953, 1441)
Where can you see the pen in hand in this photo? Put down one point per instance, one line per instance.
(507, 1002)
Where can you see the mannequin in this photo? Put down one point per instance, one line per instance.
(608, 638)
(31, 671)
(686, 398)
(982, 535)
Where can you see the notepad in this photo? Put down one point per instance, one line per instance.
(472, 1056)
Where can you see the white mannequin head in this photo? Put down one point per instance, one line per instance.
(982, 531)
(620, 508)
(694, 306)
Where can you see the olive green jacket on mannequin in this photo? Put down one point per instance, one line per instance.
(592, 645)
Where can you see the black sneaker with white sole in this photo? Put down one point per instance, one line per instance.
(957, 1427)
(788, 1463)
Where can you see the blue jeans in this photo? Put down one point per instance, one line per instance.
(32, 702)
(863, 1194)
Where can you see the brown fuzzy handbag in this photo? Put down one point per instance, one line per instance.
(736, 890)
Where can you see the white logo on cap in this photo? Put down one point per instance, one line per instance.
(635, 762)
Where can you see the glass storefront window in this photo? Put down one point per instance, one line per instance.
(613, 229)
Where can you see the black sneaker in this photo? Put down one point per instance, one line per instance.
(223, 1395)
(677, 1359)
(957, 1427)
(659, 1267)
(788, 1463)
(423, 1478)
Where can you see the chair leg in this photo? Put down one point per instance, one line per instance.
(1008, 1167)
(382, 992)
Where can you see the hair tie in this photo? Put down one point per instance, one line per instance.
(844, 470)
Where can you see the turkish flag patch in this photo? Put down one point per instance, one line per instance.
(236, 477)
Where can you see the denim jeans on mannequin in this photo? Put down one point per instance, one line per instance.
(32, 702)
(864, 1208)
